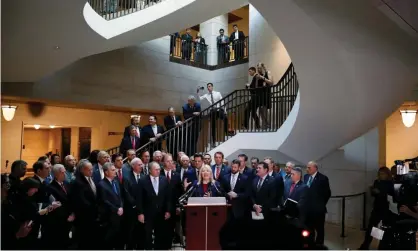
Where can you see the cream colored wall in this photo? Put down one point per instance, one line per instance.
(401, 142)
(36, 144)
(101, 123)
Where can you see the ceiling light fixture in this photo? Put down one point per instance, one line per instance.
(408, 117)
(52, 126)
(37, 126)
(8, 111)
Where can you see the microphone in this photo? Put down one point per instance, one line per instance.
(187, 194)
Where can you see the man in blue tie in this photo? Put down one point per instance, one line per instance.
(318, 195)
(110, 207)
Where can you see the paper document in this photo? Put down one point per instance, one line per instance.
(257, 217)
(393, 206)
(377, 233)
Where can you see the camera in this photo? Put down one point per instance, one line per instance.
(200, 88)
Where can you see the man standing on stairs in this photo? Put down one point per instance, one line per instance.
(218, 111)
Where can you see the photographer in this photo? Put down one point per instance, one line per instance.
(401, 234)
(382, 187)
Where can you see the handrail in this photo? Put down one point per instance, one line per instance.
(190, 52)
(238, 90)
(111, 9)
(343, 197)
(162, 136)
(282, 95)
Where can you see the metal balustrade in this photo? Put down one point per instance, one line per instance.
(240, 111)
(190, 51)
(111, 9)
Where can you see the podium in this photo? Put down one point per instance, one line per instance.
(205, 217)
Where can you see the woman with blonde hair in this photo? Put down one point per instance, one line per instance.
(265, 80)
(206, 185)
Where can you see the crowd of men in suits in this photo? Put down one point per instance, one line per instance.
(103, 203)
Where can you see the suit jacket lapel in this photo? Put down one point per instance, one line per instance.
(160, 184)
(228, 178)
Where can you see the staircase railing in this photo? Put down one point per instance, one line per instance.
(195, 54)
(238, 112)
(111, 9)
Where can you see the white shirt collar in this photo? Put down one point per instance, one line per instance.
(109, 179)
(87, 178)
(264, 177)
(40, 178)
(313, 175)
(270, 173)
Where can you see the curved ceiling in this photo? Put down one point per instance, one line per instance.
(41, 37)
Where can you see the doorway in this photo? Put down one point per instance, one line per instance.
(84, 142)
(66, 141)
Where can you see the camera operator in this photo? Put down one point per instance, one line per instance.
(382, 187)
(401, 234)
(218, 111)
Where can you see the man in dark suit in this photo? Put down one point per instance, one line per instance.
(219, 169)
(110, 208)
(191, 131)
(152, 132)
(155, 208)
(184, 167)
(247, 171)
(98, 174)
(175, 184)
(58, 222)
(318, 195)
(174, 138)
(84, 202)
(236, 186)
(237, 39)
(193, 174)
(134, 231)
(42, 170)
(134, 123)
(126, 167)
(222, 42)
(278, 180)
(186, 44)
(296, 190)
(263, 198)
(130, 142)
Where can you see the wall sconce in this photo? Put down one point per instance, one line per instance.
(8, 111)
(408, 117)
(52, 126)
(37, 126)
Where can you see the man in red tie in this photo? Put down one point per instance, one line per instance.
(130, 142)
(296, 190)
(117, 160)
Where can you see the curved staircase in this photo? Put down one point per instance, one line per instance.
(281, 96)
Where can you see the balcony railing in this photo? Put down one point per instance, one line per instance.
(193, 53)
(111, 9)
(239, 111)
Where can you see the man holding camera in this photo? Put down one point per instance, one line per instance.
(218, 110)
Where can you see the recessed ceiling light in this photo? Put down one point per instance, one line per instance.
(56, 47)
